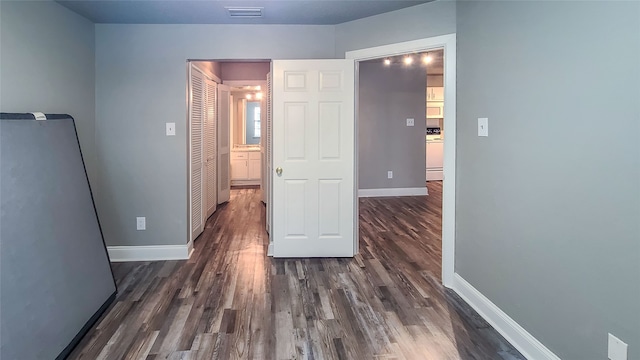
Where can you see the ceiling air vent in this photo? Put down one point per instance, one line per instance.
(244, 12)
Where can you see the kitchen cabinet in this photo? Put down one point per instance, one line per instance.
(434, 165)
(246, 167)
(435, 93)
(435, 102)
(435, 110)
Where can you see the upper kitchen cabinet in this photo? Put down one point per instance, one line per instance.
(435, 93)
(435, 102)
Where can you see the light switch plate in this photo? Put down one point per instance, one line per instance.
(483, 126)
(411, 122)
(171, 129)
(389, 174)
(141, 223)
(617, 349)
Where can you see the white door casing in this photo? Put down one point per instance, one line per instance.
(224, 147)
(267, 140)
(196, 151)
(210, 145)
(313, 144)
(448, 43)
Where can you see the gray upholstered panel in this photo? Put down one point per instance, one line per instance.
(54, 270)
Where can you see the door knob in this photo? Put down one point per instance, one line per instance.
(279, 171)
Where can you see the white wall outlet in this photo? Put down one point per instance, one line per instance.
(617, 349)
(389, 174)
(171, 129)
(483, 126)
(411, 121)
(141, 223)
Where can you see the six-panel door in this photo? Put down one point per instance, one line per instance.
(313, 145)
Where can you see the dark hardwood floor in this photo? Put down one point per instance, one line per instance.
(231, 301)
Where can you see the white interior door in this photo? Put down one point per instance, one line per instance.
(196, 151)
(313, 142)
(224, 148)
(210, 146)
(268, 156)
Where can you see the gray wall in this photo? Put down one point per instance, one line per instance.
(412, 23)
(141, 79)
(245, 70)
(548, 212)
(435, 80)
(47, 57)
(387, 97)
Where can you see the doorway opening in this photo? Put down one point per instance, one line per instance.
(227, 124)
(400, 148)
(396, 124)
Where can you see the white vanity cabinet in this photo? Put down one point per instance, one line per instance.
(255, 166)
(246, 167)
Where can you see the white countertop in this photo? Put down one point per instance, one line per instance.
(245, 148)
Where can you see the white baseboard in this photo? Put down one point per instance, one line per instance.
(435, 175)
(190, 249)
(149, 253)
(520, 338)
(419, 191)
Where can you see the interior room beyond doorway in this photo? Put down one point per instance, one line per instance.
(226, 131)
(400, 123)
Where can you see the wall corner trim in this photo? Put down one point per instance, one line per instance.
(419, 191)
(520, 338)
(149, 253)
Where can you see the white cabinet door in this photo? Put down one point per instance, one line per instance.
(435, 93)
(239, 169)
(313, 142)
(255, 169)
(434, 155)
(435, 110)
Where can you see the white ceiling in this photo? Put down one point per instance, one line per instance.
(318, 12)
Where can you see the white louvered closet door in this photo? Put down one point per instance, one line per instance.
(196, 153)
(224, 147)
(269, 153)
(211, 150)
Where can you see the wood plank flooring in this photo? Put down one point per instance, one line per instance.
(231, 301)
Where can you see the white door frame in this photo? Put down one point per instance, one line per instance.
(448, 43)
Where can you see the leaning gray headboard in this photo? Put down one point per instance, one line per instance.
(55, 276)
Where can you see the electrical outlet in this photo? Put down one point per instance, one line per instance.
(389, 174)
(617, 349)
(171, 129)
(411, 122)
(483, 126)
(141, 223)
